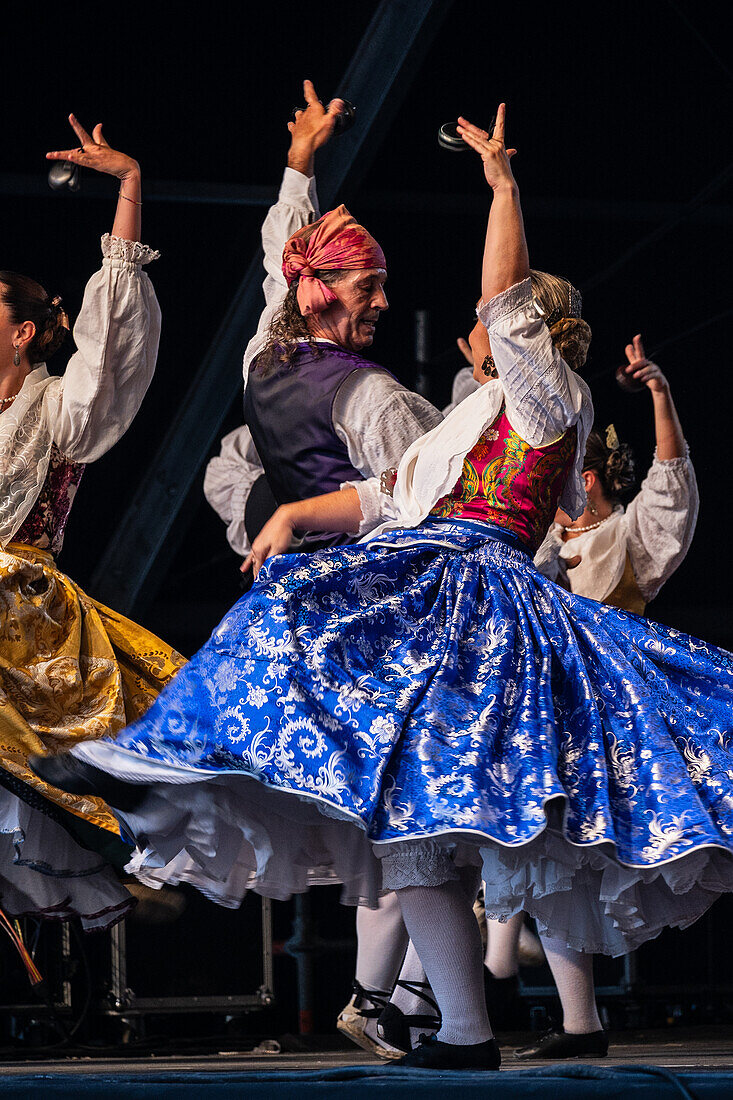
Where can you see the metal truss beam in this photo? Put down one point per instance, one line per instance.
(381, 69)
(435, 203)
(35, 186)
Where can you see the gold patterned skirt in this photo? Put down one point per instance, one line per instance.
(71, 670)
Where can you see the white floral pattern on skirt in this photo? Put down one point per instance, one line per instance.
(433, 685)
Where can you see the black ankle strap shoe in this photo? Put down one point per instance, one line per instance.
(432, 1054)
(559, 1044)
(397, 1027)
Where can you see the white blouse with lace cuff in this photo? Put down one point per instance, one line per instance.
(86, 410)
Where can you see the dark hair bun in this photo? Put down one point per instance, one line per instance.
(571, 336)
(26, 300)
(54, 332)
(613, 466)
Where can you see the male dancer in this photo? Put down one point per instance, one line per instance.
(315, 418)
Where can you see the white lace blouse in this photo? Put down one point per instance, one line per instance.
(86, 410)
(655, 530)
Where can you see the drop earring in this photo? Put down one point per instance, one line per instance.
(16, 357)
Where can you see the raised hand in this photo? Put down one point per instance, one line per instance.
(311, 129)
(492, 150)
(95, 152)
(465, 349)
(641, 370)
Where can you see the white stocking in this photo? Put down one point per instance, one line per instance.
(381, 944)
(573, 974)
(411, 974)
(442, 926)
(502, 957)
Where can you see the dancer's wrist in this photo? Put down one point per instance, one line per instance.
(288, 515)
(301, 158)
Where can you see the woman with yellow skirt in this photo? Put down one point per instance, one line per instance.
(70, 669)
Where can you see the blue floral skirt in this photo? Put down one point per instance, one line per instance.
(379, 706)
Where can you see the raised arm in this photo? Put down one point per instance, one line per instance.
(670, 439)
(95, 152)
(118, 328)
(506, 260)
(662, 516)
(297, 203)
(296, 206)
(660, 522)
(312, 128)
(544, 397)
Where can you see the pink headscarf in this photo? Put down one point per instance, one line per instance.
(338, 241)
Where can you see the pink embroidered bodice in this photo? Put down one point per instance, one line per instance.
(506, 482)
(45, 523)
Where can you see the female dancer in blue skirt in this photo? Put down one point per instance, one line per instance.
(395, 714)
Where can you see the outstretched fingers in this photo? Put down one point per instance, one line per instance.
(478, 143)
(74, 156)
(77, 155)
(81, 133)
(99, 137)
(469, 128)
(309, 92)
(635, 350)
(499, 124)
(475, 131)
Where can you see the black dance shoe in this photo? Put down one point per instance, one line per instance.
(72, 775)
(394, 1026)
(432, 1054)
(399, 1029)
(558, 1044)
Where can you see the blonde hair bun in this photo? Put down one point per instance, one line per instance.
(572, 336)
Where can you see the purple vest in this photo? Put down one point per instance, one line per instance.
(288, 410)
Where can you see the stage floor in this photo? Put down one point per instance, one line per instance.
(699, 1051)
(679, 1057)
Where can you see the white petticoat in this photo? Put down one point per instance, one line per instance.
(45, 873)
(227, 834)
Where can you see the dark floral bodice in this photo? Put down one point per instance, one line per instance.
(45, 524)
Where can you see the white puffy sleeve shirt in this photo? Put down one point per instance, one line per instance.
(661, 521)
(228, 482)
(296, 206)
(116, 336)
(373, 415)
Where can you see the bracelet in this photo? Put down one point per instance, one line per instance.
(123, 196)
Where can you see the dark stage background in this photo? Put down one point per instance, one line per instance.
(621, 116)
